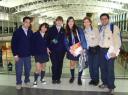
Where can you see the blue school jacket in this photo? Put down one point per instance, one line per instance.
(40, 45)
(56, 39)
(21, 44)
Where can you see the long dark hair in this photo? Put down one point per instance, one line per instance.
(68, 30)
(46, 26)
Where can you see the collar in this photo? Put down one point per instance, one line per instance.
(25, 29)
(42, 34)
(88, 30)
(108, 25)
(58, 27)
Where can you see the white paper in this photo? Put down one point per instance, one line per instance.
(112, 50)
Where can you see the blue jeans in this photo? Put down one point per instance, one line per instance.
(26, 62)
(107, 69)
(93, 62)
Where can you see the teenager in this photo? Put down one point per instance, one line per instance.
(40, 46)
(21, 49)
(56, 36)
(74, 34)
(92, 37)
(109, 37)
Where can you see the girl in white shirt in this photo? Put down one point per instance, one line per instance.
(92, 37)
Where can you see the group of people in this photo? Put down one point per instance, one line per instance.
(55, 42)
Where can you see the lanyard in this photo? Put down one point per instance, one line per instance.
(102, 30)
(73, 38)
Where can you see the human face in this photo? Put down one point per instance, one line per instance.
(43, 29)
(71, 23)
(27, 23)
(59, 23)
(104, 20)
(87, 23)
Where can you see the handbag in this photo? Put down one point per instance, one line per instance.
(83, 61)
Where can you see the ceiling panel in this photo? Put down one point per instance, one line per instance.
(13, 3)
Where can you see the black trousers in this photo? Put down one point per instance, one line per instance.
(57, 64)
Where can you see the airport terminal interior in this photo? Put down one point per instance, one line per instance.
(11, 15)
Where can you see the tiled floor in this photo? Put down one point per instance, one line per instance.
(7, 83)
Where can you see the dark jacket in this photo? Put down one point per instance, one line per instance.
(20, 43)
(39, 45)
(56, 40)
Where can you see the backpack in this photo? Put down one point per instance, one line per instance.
(111, 27)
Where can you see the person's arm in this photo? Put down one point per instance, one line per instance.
(116, 41)
(83, 39)
(48, 38)
(32, 41)
(66, 43)
(116, 38)
(14, 45)
(97, 35)
(48, 42)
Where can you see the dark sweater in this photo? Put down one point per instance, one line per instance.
(39, 45)
(20, 43)
(56, 39)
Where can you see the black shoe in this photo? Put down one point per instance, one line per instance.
(91, 82)
(54, 82)
(79, 82)
(71, 80)
(96, 83)
(58, 81)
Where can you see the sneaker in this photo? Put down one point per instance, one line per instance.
(102, 86)
(28, 85)
(96, 83)
(71, 80)
(79, 82)
(35, 84)
(43, 81)
(18, 87)
(91, 82)
(111, 91)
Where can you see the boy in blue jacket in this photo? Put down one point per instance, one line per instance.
(21, 49)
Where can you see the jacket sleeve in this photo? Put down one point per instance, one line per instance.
(14, 43)
(32, 41)
(82, 39)
(49, 38)
(117, 37)
(66, 43)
